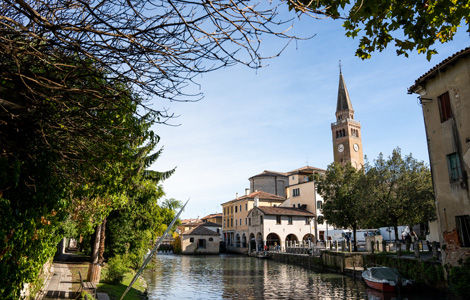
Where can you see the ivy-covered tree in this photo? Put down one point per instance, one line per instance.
(399, 191)
(410, 25)
(343, 198)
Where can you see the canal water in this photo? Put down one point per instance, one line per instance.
(242, 277)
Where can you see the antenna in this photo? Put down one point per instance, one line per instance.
(339, 64)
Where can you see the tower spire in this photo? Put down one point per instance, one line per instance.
(344, 103)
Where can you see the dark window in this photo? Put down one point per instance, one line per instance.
(236, 208)
(191, 240)
(240, 207)
(296, 192)
(211, 239)
(261, 219)
(201, 244)
(319, 205)
(246, 206)
(463, 227)
(218, 230)
(455, 169)
(307, 221)
(249, 221)
(231, 222)
(444, 107)
(289, 220)
(278, 219)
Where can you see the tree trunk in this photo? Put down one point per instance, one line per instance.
(102, 238)
(94, 269)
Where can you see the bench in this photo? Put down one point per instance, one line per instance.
(86, 286)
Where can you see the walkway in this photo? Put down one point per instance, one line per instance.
(62, 284)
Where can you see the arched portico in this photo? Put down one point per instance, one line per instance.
(259, 241)
(273, 240)
(252, 243)
(309, 237)
(237, 240)
(291, 239)
(243, 241)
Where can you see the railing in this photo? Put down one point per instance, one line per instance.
(346, 120)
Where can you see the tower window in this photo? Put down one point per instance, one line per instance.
(455, 169)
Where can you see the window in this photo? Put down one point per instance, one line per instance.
(246, 221)
(240, 222)
(261, 219)
(231, 209)
(249, 221)
(444, 107)
(455, 170)
(278, 219)
(463, 227)
(218, 230)
(296, 192)
(293, 177)
(224, 222)
(240, 207)
(307, 221)
(293, 205)
(289, 220)
(246, 206)
(236, 222)
(319, 205)
(201, 244)
(211, 239)
(236, 207)
(231, 222)
(191, 240)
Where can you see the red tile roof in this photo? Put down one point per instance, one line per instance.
(439, 67)
(284, 211)
(200, 230)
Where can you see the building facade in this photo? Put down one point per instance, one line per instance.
(444, 93)
(200, 240)
(346, 131)
(270, 182)
(235, 218)
(278, 227)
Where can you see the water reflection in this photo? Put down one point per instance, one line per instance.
(242, 277)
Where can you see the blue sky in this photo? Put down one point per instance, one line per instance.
(278, 118)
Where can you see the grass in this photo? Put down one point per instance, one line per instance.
(114, 291)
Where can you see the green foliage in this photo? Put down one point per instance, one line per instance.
(117, 267)
(342, 192)
(409, 25)
(459, 278)
(399, 191)
(176, 244)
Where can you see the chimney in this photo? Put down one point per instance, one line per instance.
(255, 204)
(247, 192)
(237, 195)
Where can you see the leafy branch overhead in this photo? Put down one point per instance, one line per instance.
(410, 25)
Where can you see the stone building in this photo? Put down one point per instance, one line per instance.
(346, 131)
(200, 240)
(444, 93)
(270, 182)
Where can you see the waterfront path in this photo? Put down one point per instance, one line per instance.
(65, 282)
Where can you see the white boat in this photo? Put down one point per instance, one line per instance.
(385, 279)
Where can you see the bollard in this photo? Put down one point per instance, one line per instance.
(342, 246)
(435, 251)
(350, 246)
(398, 248)
(416, 248)
(378, 246)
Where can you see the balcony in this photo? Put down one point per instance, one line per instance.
(346, 120)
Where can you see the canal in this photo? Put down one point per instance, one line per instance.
(243, 277)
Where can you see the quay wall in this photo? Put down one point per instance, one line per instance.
(425, 273)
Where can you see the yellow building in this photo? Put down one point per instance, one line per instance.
(235, 217)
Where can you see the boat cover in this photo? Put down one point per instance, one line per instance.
(390, 274)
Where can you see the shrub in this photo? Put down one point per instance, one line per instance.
(459, 278)
(117, 266)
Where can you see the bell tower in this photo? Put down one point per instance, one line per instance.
(347, 143)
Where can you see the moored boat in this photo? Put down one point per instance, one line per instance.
(385, 279)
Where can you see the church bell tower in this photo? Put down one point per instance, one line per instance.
(347, 143)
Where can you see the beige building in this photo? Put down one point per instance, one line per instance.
(235, 217)
(200, 240)
(444, 93)
(347, 142)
